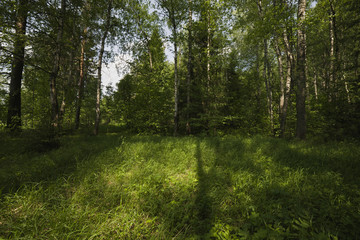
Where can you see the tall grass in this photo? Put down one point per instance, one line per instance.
(142, 187)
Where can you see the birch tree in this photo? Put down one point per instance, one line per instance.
(301, 73)
(174, 11)
(107, 26)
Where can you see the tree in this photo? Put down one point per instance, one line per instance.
(144, 95)
(14, 105)
(107, 26)
(174, 11)
(267, 72)
(55, 69)
(190, 67)
(288, 83)
(80, 88)
(301, 74)
(232, 59)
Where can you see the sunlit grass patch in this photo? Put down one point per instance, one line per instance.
(143, 187)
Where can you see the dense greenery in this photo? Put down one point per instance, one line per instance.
(266, 67)
(149, 187)
(249, 81)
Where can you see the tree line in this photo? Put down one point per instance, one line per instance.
(287, 68)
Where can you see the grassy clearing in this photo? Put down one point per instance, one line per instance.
(138, 187)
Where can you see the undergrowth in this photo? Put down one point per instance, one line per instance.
(142, 187)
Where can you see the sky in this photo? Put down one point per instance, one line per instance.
(110, 76)
(114, 71)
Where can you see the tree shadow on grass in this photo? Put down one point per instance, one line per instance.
(276, 203)
(302, 186)
(184, 208)
(339, 158)
(203, 202)
(201, 188)
(17, 168)
(215, 166)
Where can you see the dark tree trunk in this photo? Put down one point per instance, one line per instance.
(176, 83)
(301, 73)
(80, 90)
(14, 107)
(190, 69)
(55, 70)
(331, 89)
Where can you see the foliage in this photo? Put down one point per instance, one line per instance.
(231, 57)
(147, 187)
(144, 97)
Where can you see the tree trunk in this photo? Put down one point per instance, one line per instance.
(281, 76)
(101, 53)
(62, 108)
(347, 92)
(266, 73)
(356, 72)
(315, 85)
(258, 93)
(171, 10)
(346, 85)
(66, 86)
(176, 83)
(208, 44)
(150, 55)
(14, 107)
(55, 70)
(287, 86)
(332, 53)
(190, 69)
(209, 100)
(68, 82)
(80, 90)
(301, 75)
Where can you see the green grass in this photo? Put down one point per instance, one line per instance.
(142, 187)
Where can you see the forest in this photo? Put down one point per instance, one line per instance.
(228, 119)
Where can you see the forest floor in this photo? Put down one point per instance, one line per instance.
(152, 187)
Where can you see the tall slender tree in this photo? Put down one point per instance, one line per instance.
(301, 73)
(106, 30)
(80, 87)
(288, 82)
(190, 67)
(174, 10)
(267, 71)
(14, 107)
(56, 66)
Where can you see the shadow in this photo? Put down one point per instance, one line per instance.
(185, 209)
(20, 167)
(215, 171)
(210, 188)
(340, 158)
(297, 187)
(244, 189)
(203, 202)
